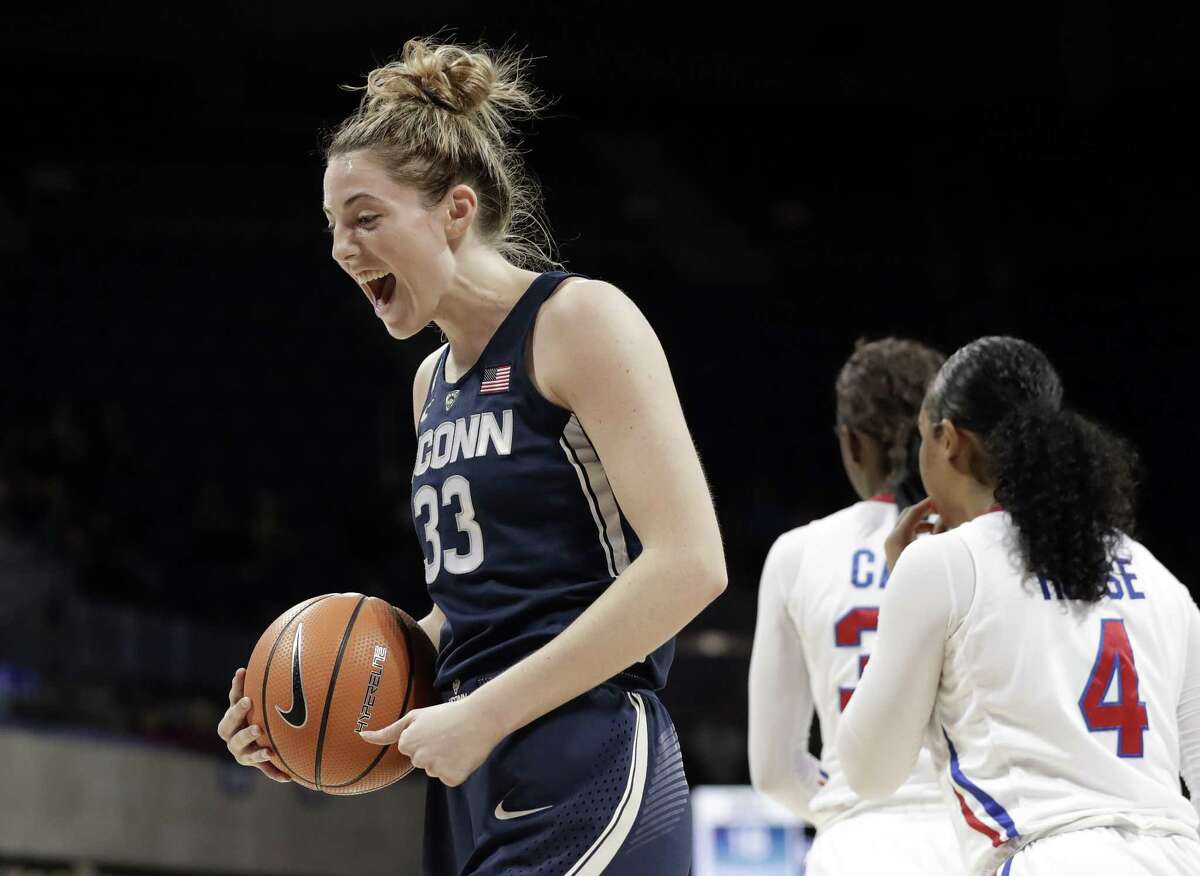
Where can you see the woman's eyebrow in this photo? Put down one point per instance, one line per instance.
(350, 200)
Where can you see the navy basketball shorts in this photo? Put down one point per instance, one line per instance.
(596, 786)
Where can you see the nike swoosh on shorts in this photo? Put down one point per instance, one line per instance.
(504, 815)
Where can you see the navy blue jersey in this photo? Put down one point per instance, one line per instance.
(519, 525)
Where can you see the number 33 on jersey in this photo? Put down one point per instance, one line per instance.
(463, 438)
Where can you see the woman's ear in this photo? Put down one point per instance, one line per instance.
(964, 450)
(461, 203)
(851, 443)
(953, 443)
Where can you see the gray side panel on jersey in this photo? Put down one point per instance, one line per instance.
(598, 493)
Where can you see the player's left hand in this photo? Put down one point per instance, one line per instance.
(913, 522)
(448, 741)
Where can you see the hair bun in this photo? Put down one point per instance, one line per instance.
(448, 77)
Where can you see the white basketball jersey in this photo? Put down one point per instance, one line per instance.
(834, 603)
(1055, 715)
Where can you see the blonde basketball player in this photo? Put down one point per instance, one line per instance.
(1049, 661)
(567, 527)
(818, 604)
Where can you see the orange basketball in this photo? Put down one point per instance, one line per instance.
(326, 670)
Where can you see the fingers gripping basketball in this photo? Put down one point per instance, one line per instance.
(325, 671)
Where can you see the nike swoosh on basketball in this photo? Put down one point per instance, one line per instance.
(504, 815)
(298, 713)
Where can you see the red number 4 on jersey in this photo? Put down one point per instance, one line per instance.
(1128, 714)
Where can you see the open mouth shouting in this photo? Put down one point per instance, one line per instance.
(379, 286)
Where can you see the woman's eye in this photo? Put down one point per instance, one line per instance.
(367, 219)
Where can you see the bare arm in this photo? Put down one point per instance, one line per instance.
(596, 355)
(781, 701)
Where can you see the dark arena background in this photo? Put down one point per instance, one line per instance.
(201, 422)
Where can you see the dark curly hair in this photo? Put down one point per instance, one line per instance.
(879, 393)
(1068, 484)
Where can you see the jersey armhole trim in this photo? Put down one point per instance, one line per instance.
(526, 352)
(438, 365)
(419, 415)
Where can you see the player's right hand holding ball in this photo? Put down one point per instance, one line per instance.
(241, 739)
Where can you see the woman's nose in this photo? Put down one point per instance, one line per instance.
(343, 246)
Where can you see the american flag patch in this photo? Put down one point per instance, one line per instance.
(495, 379)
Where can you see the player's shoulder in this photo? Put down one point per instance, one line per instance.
(988, 538)
(580, 307)
(781, 568)
(936, 548)
(1129, 547)
(425, 369)
(578, 294)
(853, 524)
(856, 523)
(587, 328)
(424, 378)
(789, 545)
(1141, 557)
(991, 529)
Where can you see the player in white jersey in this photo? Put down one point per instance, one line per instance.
(1049, 661)
(818, 603)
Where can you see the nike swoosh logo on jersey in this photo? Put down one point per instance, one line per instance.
(298, 713)
(504, 815)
